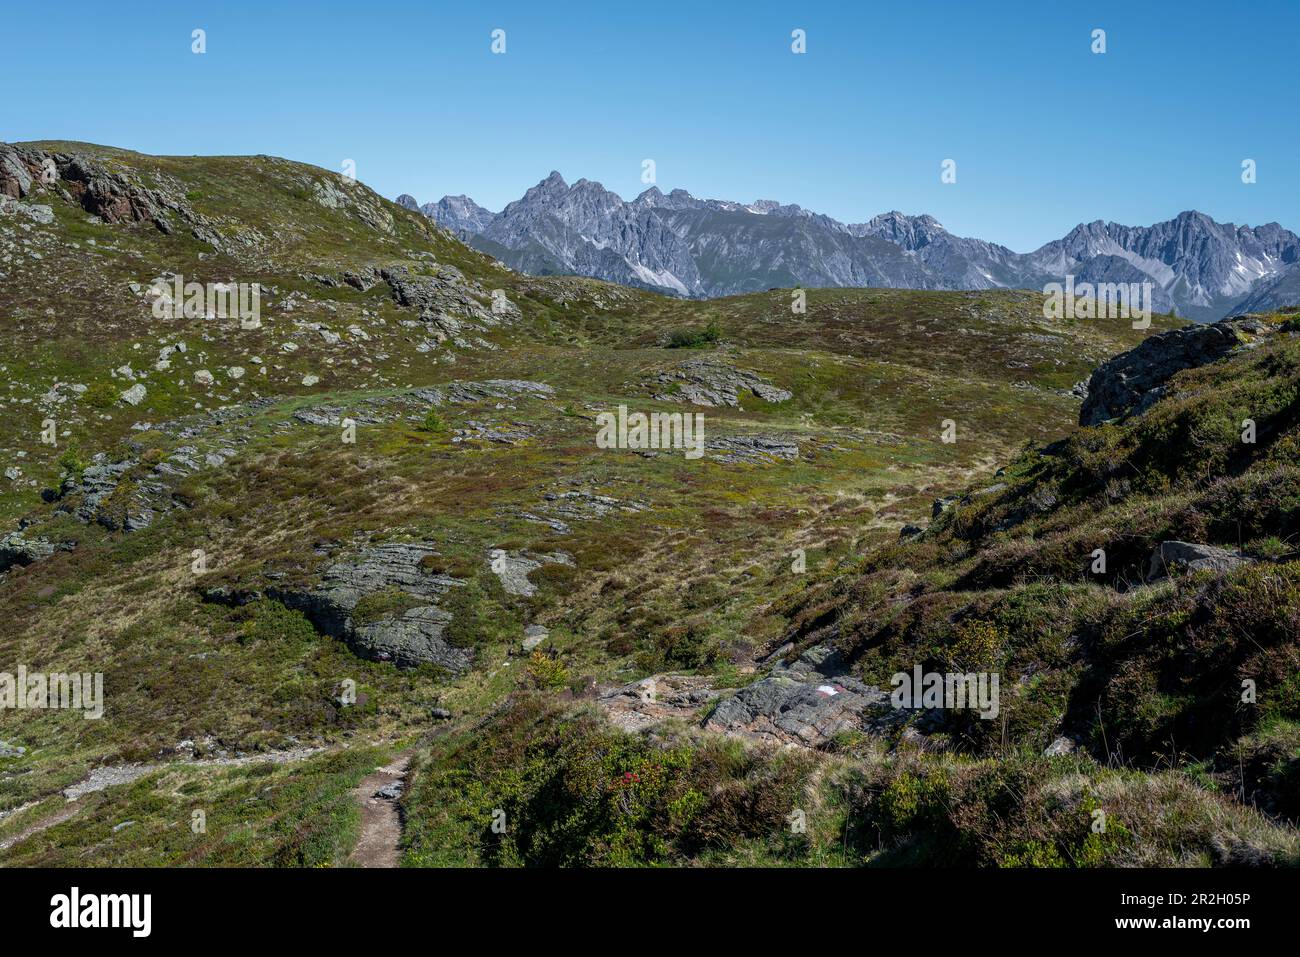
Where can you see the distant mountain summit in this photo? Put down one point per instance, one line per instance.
(460, 214)
(685, 246)
(1205, 269)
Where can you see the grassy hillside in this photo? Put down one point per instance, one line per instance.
(1143, 681)
(223, 686)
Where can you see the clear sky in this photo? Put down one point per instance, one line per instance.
(1044, 132)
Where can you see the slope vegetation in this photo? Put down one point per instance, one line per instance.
(376, 513)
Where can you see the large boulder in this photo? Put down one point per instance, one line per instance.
(1133, 381)
(15, 549)
(36, 212)
(1192, 557)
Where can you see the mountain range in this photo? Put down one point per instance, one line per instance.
(675, 243)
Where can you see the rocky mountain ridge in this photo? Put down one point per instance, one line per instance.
(686, 246)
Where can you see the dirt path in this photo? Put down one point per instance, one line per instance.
(58, 817)
(381, 819)
(111, 775)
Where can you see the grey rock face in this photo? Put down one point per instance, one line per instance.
(150, 495)
(411, 634)
(1130, 383)
(807, 703)
(115, 197)
(711, 383)
(1102, 269)
(582, 229)
(460, 214)
(784, 710)
(407, 201)
(1191, 557)
(411, 637)
(448, 305)
(1206, 267)
(679, 244)
(957, 262)
(588, 230)
(15, 177)
(441, 290)
(752, 449)
(676, 243)
(344, 193)
(513, 568)
(468, 392)
(743, 250)
(98, 483)
(645, 703)
(44, 215)
(1278, 292)
(15, 550)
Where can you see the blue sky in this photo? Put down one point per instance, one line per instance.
(1045, 133)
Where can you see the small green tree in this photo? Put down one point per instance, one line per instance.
(433, 422)
(101, 395)
(72, 465)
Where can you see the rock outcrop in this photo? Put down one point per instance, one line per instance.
(1133, 381)
(514, 567)
(805, 703)
(752, 449)
(16, 550)
(113, 196)
(15, 175)
(36, 212)
(126, 496)
(447, 304)
(711, 383)
(645, 703)
(460, 214)
(380, 601)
